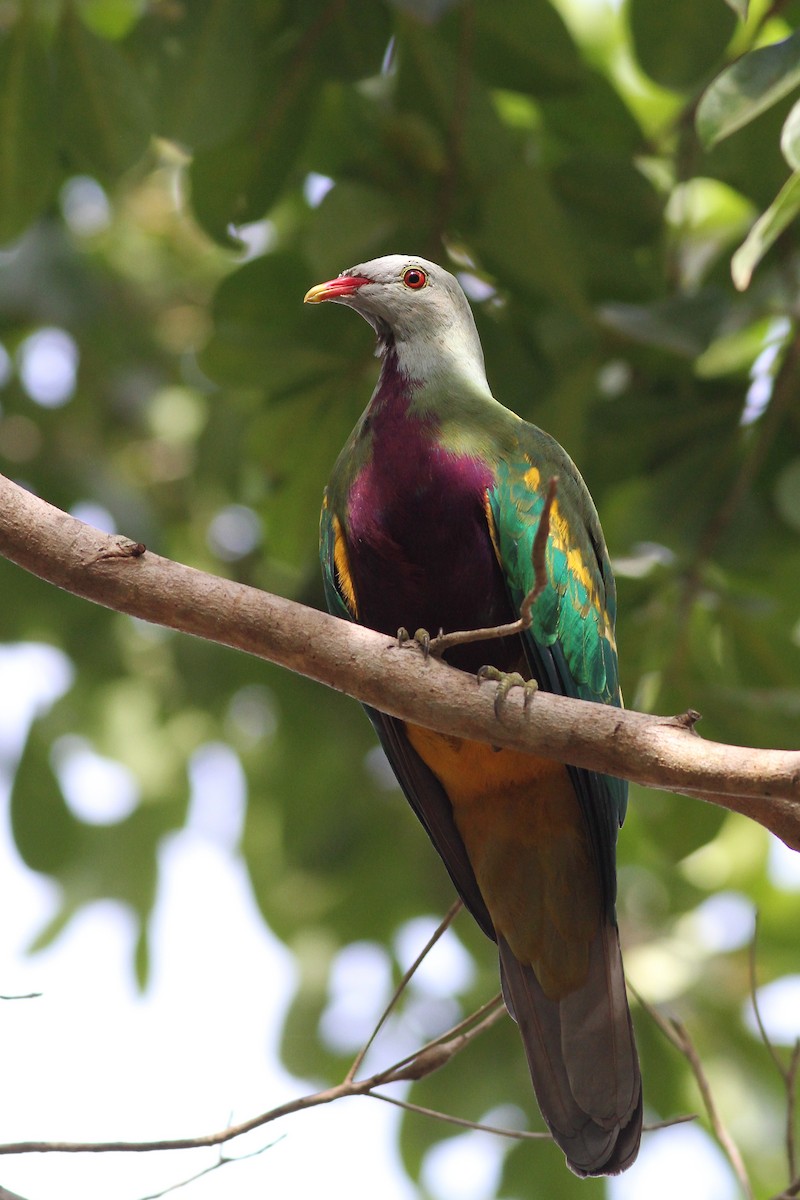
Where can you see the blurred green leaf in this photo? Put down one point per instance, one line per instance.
(455, 135)
(205, 70)
(677, 44)
(426, 10)
(750, 159)
(766, 230)
(355, 39)
(611, 194)
(735, 351)
(787, 493)
(263, 337)
(571, 117)
(47, 835)
(238, 181)
(518, 44)
(352, 224)
(681, 324)
(790, 137)
(740, 7)
(524, 236)
(103, 111)
(111, 18)
(27, 146)
(744, 90)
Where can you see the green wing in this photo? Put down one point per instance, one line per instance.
(570, 644)
(577, 609)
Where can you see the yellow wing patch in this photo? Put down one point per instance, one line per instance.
(487, 508)
(532, 478)
(341, 561)
(560, 538)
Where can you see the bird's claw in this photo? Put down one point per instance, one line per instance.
(421, 637)
(505, 682)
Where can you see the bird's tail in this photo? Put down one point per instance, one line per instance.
(582, 1058)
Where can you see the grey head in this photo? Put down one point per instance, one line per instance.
(418, 310)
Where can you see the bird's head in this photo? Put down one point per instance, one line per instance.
(417, 309)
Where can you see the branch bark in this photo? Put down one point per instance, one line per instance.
(662, 752)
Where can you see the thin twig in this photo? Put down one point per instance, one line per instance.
(222, 1161)
(787, 1073)
(440, 1051)
(721, 1131)
(496, 1003)
(790, 1192)
(539, 553)
(520, 1134)
(757, 1010)
(475, 1023)
(677, 1033)
(424, 1061)
(523, 1135)
(446, 641)
(668, 1122)
(791, 1108)
(219, 1137)
(444, 924)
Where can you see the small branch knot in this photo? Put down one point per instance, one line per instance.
(686, 720)
(428, 1060)
(120, 547)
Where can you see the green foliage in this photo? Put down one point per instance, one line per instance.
(767, 229)
(747, 88)
(27, 150)
(548, 151)
(752, 85)
(678, 44)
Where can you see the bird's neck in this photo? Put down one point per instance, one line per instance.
(394, 392)
(445, 361)
(450, 407)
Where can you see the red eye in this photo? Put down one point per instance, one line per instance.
(414, 278)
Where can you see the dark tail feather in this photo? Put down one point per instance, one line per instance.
(582, 1058)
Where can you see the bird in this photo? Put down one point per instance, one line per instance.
(428, 522)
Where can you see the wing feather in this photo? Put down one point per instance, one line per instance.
(570, 645)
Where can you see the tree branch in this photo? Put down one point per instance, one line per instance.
(661, 752)
(428, 1058)
(444, 924)
(787, 1073)
(677, 1033)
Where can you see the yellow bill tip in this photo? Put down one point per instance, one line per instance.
(335, 289)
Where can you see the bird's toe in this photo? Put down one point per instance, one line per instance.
(421, 638)
(506, 680)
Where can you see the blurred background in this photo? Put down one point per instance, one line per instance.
(207, 874)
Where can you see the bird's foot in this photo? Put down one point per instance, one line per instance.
(506, 680)
(421, 638)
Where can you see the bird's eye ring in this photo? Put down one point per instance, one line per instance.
(414, 278)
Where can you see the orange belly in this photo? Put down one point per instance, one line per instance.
(528, 844)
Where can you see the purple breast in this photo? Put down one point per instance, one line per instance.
(420, 551)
